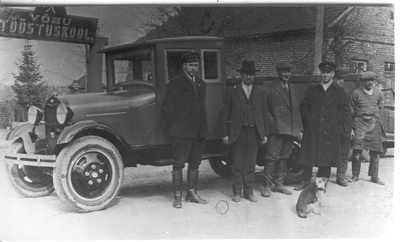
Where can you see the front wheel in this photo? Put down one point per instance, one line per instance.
(88, 174)
(29, 181)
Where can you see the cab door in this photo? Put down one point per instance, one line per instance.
(211, 71)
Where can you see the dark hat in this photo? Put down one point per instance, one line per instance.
(248, 66)
(339, 73)
(190, 57)
(368, 75)
(283, 65)
(327, 66)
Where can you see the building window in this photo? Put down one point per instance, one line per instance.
(389, 66)
(359, 66)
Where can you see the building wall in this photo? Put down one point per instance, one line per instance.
(374, 43)
(266, 51)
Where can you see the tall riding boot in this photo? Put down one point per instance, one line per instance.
(269, 171)
(177, 184)
(373, 169)
(356, 164)
(191, 196)
(279, 177)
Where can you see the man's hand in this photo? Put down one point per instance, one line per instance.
(352, 134)
(225, 140)
(264, 140)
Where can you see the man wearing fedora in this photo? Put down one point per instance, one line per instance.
(366, 103)
(324, 109)
(244, 128)
(345, 137)
(284, 126)
(184, 107)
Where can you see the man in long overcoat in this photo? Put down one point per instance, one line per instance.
(284, 126)
(184, 106)
(245, 121)
(323, 109)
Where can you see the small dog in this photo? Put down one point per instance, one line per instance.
(310, 198)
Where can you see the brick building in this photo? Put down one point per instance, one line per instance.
(356, 38)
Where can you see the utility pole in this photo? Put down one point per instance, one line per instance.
(319, 36)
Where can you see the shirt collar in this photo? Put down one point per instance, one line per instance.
(191, 78)
(247, 86)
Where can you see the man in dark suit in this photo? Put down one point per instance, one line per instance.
(284, 125)
(184, 106)
(345, 137)
(245, 122)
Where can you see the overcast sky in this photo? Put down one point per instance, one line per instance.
(58, 65)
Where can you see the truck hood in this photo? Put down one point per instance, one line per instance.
(87, 105)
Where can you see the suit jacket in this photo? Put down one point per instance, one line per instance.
(234, 111)
(184, 107)
(283, 112)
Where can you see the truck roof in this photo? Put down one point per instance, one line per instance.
(156, 41)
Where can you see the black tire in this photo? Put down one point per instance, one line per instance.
(221, 167)
(29, 181)
(294, 171)
(88, 174)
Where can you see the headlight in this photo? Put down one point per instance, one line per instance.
(64, 113)
(34, 115)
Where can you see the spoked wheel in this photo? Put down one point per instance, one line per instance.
(29, 181)
(88, 174)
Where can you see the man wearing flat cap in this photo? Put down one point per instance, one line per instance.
(366, 103)
(285, 125)
(345, 137)
(324, 109)
(244, 128)
(184, 107)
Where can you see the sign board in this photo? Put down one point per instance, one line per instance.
(47, 23)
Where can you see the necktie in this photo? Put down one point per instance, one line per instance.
(248, 91)
(286, 87)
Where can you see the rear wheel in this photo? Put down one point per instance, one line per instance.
(88, 174)
(29, 181)
(221, 166)
(294, 171)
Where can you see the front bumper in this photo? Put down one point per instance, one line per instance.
(30, 160)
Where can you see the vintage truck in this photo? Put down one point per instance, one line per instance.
(79, 145)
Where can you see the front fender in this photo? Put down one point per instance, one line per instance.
(89, 127)
(28, 133)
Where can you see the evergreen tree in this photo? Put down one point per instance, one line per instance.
(28, 85)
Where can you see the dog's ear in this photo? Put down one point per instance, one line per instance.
(326, 183)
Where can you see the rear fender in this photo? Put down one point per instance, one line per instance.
(29, 134)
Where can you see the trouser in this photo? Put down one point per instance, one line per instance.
(187, 150)
(278, 150)
(342, 164)
(324, 171)
(373, 168)
(244, 154)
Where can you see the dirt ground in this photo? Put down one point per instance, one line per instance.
(143, 210)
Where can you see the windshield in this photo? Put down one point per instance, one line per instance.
(133, 68)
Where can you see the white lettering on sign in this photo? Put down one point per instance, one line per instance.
(46, 26)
